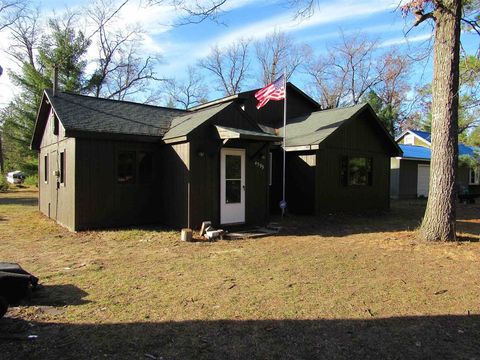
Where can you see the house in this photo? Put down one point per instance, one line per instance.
(410, 173)
(107, 163)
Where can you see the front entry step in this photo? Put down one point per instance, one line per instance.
(252, 233)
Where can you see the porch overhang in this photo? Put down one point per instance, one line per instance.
(227, 133)
(302, 148)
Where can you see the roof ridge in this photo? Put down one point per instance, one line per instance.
(121, 101)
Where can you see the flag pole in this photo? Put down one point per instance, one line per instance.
(284, 203)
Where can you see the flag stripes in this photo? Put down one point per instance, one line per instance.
(273, 91)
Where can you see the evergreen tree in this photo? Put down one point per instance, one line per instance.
(63, 46)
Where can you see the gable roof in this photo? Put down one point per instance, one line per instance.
(425, 135)
(246, 94)
(424, 153)
(183, 125)
(316, 127)
(419, 134)
(86, 114)
(312, 129)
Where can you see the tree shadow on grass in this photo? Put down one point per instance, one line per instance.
(404, 215)
(23, 201)
(433, 337)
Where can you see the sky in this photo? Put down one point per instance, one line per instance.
(180, 46)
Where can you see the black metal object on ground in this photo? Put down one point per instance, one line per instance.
(15, 284)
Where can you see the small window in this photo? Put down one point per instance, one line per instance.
(126, 167)
(409, 139)
(55, 124)
(145, 167)
(62, 168)
(474, 178)
(356, 171)
(45, 168)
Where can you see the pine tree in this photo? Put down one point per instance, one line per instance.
(62, 46)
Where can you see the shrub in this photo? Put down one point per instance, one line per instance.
(31, 180)
(4, 185)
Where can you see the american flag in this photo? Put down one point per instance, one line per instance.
(273, 91)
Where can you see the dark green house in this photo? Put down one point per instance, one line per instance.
(106, 163)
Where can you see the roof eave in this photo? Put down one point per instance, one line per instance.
(74, 133)
(36, 141)
(176, 139)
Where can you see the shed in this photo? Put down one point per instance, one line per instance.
(410, 173)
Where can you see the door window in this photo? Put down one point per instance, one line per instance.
(233, 179)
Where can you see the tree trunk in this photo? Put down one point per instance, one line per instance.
(439, 220)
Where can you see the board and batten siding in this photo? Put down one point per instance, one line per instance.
(205, 147)
(57, 201)
(313, 179)
(359, 137)
(300, 180)
(101, 201)
(205, 180)
(174, 185)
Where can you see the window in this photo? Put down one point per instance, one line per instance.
(145, 167)
(233, 179)
(54, 120)
(356, 171)
(62, 168)
(126, 167)
(409, 139)
(474, 178)
(45, 168)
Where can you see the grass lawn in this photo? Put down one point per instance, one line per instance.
(328, 287)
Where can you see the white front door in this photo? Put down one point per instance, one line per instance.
(232, 186)
(423, 180)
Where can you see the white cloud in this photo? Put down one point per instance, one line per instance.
(329, 13)
(406, 40)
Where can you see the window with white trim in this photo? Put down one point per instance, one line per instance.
(45, 168)
(62, 167)
(474, 178)
(409, 139)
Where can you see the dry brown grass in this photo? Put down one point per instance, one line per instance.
(339, 286)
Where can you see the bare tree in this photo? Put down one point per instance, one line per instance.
(394, 84)
(11, 11)
(229, 66)
(189, 92)
(199, 11)
(120, 69)
(194, 12)
(278, 53)
(347, 72)
(25, 35)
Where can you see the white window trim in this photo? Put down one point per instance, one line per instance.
(476, 172)
(409, 139)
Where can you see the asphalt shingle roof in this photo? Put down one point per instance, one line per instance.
(90, 114)
(312, 129)
(183, 125)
